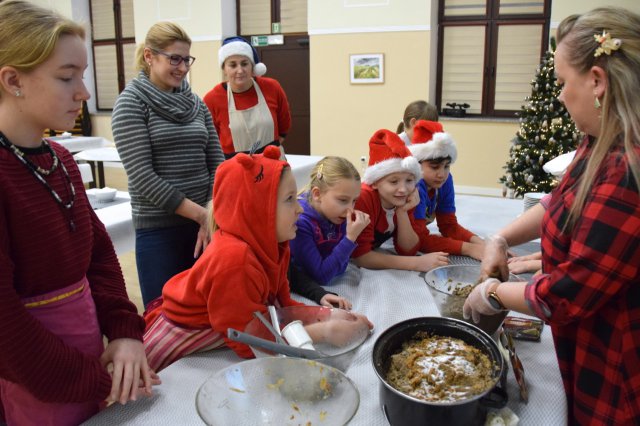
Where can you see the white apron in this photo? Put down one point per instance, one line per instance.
(252, 125)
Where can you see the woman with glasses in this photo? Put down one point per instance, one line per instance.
(589, 288)
(249, 111)
(170, 151)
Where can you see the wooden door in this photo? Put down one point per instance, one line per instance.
(289, 64)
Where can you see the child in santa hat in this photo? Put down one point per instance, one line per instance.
(436, 151)
(242, 271)
(389, 196)
(416, 110)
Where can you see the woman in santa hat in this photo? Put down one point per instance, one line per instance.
(436, 151)
(247, 109)
(389, 196)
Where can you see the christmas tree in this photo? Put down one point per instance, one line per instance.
(546, 131)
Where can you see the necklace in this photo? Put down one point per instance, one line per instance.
(38, 173)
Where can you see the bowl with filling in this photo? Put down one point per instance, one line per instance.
(277, 391)
(438, 371)
(450, 285)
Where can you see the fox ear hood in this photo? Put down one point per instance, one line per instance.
(245, 200)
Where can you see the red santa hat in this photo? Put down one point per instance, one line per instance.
(430, 142)
(388, 154)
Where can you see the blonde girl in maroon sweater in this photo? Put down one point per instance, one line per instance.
(61, 288)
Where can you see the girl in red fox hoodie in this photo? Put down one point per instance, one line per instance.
(243, 270)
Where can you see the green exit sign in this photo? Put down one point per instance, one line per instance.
(258, 41)
(275, 27)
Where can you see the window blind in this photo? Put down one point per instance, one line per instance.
(465, 7)
(293, 16)
(255, 17)
(518, 57)
(462, 66)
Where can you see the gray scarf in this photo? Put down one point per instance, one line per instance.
(179, 106)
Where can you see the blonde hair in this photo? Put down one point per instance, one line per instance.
(29, 34)
(328, 171)
(420, 110)
(160, 36)
(620, 110)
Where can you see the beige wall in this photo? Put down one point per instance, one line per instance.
(560, 9)
(325, 15)
(345, 115)
(483, 149)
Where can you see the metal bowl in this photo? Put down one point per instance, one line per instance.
(338, 356)
(277, 391)
(444, 281)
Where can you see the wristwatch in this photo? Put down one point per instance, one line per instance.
(494, 300)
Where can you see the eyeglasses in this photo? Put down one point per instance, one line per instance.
(176, 60)
(518, 370)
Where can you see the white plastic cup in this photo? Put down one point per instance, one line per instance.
(297, 336)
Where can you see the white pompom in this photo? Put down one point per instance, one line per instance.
(259, 69)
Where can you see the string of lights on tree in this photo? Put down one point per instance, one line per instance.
(546, 131)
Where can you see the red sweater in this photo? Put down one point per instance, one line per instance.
(372, 236)
(244, 269)
(39, 254)
(216, 101)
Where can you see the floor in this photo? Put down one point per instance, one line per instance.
(482, 215)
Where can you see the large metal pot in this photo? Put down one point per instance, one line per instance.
(402, 409)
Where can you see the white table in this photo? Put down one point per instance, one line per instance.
(117, 218)
(99, 156)
(386, 297)
(301, 166)
(80, 143)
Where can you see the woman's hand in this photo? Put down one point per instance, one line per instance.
(204, 238)
(494, 259)
(331, 301)
(356, 222)
(427, 262)
(127, 363)
(477, 302)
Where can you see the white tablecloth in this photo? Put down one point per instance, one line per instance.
(117, 219)
(386, 297)
(80, 143)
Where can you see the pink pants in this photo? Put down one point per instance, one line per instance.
(166, 342)
(70, 314)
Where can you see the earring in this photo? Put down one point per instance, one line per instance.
(596, 103)
(18, 93)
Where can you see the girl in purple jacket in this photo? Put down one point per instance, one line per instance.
(327, 230)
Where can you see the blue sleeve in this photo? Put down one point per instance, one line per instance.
(447, 197)
(420, 212)
(306, 255)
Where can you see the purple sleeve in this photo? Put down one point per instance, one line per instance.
(307, 256)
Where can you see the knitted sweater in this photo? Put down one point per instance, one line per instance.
(169, 149)
(39, 254)
(217, 102)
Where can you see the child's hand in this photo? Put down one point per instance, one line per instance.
(413, 200)
(427, 262)
(475, 250)
(356, 222)
(341, 332)
(534, 256)
(127, 363)
(331, 301)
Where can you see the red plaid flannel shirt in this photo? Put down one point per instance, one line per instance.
(590, 292)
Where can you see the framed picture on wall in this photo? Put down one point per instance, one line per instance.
(367, 68)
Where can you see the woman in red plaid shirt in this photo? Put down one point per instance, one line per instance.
(589, 291)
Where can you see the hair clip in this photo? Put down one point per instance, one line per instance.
(319, 172)
(607, 44)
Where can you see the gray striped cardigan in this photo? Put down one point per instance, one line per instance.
(169, 149)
